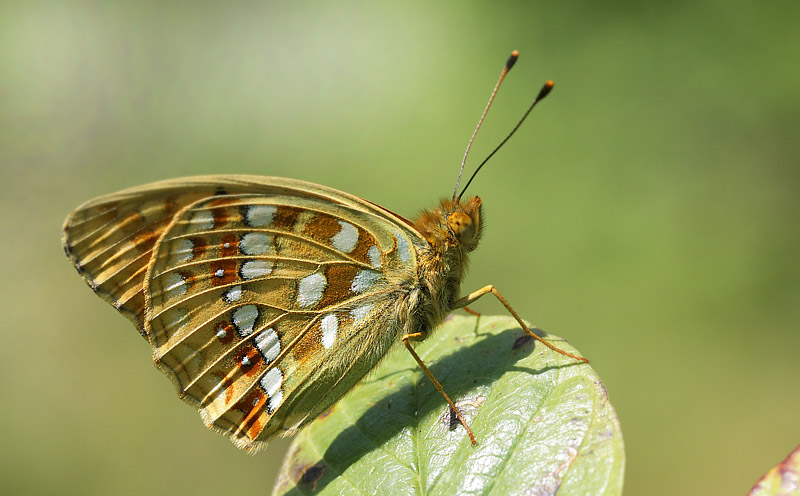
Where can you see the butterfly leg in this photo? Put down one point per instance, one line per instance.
(463, 302)
(471, 311)
(418, 336)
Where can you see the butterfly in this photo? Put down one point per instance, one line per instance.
(266, 299)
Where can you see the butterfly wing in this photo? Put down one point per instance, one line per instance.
(110, 240)
(264, 299)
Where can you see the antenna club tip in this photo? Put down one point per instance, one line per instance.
(545, 90)
(512, 59)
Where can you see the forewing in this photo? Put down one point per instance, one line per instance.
(111, 241)
(264, 299)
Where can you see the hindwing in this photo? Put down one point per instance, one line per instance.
(264, 299)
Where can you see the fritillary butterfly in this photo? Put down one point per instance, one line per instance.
(266, 299)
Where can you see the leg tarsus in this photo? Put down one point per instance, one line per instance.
(415, 336)
(471, 311)
(463, 302)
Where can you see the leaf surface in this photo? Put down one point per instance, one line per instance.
(543, 422)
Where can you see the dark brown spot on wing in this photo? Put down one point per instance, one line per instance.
(222, 213)
(322, 228)
(220, 217)
(286, 217)
(254, 361)
(229, 246)
(199, 246)
(340, 279)
(229, 332)
(223, 272)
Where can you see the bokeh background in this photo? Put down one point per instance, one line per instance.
(648, 210)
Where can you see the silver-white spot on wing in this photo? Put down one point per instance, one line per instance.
(374, 255)
(364, 280)
(403, 249)
(310, 289)
(256, 268)
(274, 401)
(260, 215)
(256, 243)
(182, 250)
(244, 318)
(174, 285)
(330, 326)
(272, 381)
(347, 237)
(234, 294)
(202, 220)
(268, 343)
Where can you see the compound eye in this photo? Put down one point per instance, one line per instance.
(462, 226)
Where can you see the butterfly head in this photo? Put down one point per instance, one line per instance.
(453, 224)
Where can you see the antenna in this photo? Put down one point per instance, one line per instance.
(509, 64)
(542, 93)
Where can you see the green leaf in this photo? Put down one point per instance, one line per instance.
(543, 423)
(782, 480)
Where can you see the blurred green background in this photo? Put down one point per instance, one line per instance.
(647, 211)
